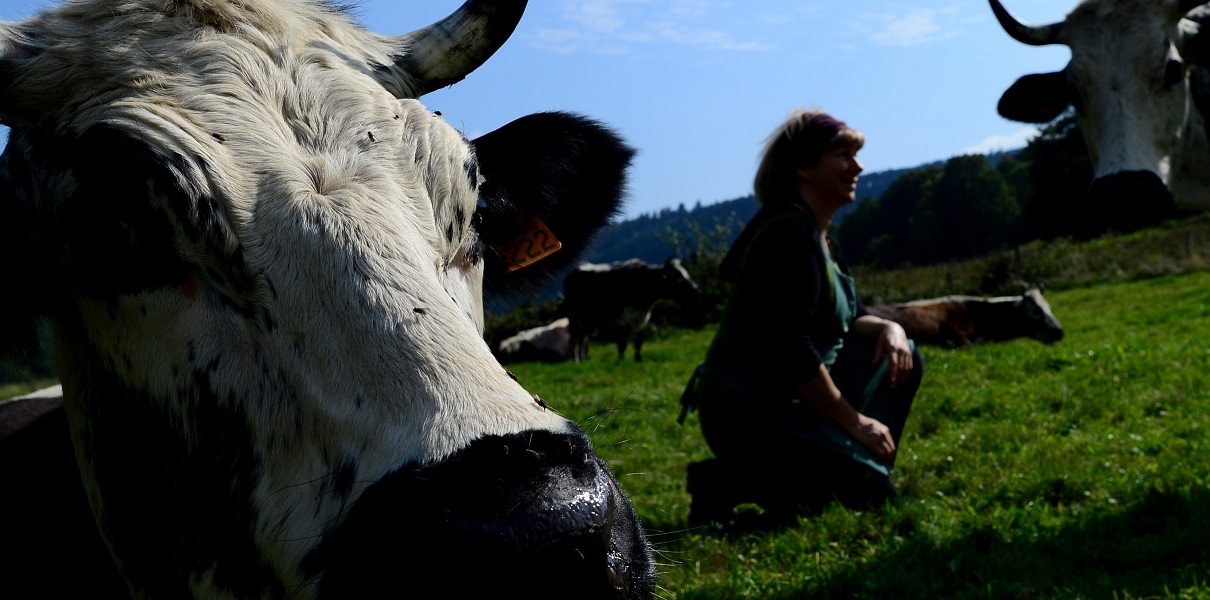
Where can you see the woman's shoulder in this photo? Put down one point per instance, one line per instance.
(772, 231)
(786, 226)
(780, 218)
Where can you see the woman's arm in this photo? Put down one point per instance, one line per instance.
(890, 341)
(823, 395)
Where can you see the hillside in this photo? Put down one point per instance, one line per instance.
(640, 237)
(645, 236)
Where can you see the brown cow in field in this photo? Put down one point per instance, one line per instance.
(965, 320)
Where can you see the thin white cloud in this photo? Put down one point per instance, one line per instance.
(998, 143)
(617, 26)
(604, 16)
(910, 26)
(702, 37)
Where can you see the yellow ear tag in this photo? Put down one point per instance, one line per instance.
(535, 242)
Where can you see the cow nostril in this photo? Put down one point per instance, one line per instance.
(1129, 200)
(552, 519)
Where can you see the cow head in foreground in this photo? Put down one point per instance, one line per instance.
(261, 259)
(1136, 77)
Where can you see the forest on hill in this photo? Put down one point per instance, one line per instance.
(960, 208)
(647, 236)
(965, 208)
(948, 210)
(987, 201)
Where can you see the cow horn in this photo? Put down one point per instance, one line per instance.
(1033, 35)
(447, 51)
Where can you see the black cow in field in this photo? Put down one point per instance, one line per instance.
(616, 300)
(264, 261)
(964, 320)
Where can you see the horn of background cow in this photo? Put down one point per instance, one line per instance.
(447, 51)
(1033, 35)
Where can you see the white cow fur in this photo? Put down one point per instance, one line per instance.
(369, 281)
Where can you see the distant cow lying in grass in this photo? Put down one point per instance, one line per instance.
(548, 343)
(964, 320)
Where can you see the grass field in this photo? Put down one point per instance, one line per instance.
(1077, 470)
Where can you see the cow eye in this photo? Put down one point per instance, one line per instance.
(1174, 73)
(474, 252)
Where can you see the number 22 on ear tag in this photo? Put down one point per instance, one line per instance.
(534, 242)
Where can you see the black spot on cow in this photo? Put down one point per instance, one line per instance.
(188, 492)
(119, 241)
(471, 168)
(267, 320)
(344, 477)
(49, 524)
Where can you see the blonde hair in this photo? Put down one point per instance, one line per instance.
(799, 141)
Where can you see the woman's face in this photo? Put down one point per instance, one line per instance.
(833, 180)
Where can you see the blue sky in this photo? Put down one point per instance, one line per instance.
(696, 85)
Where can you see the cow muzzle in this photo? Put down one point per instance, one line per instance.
(533, 515)
(1051, 335)
(1129, 200)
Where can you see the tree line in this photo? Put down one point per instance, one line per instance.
(970, 206)
(952, 210)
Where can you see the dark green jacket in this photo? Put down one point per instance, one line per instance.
(781, 303)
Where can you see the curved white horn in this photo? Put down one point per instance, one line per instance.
(446, 51)
(1033, 35)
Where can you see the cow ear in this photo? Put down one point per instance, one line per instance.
(548, 176)
(1036, 98)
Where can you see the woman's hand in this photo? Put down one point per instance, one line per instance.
(823, 395)
(892, 342)
(874, 435)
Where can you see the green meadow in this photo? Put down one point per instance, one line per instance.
(1076, 470)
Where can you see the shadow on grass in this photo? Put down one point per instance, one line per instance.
(1153, 549)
